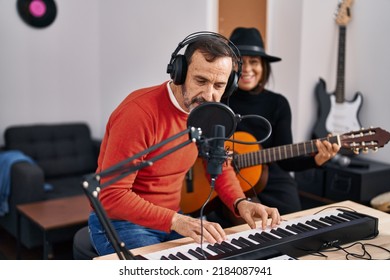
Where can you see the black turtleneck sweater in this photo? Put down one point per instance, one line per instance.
(276, 109)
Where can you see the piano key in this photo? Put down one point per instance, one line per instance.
(203, 251)
(196, 254)
(289, 233)
(350, 216)
(258, 238)
(294, 229)
(315, 224)
(182, 256)
(239, 243)
(335, 218)
(320, 224)
(278, 233)
(306, 226)
(215, 249)
(270, 236)
(330, 220)
(228, 245)
(172, 257)
(246, 241)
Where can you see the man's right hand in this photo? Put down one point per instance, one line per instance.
(191, 227)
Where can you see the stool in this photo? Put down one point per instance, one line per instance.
(82, 247)
(381, 202)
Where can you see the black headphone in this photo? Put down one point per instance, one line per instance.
(177, 67)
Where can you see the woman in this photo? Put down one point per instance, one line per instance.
(252, 98)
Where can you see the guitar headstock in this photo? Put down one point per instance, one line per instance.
(343, 13)
(365, 139)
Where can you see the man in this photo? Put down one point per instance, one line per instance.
(144, 207)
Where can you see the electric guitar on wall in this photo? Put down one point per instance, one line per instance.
(250, 163)
(335, 114)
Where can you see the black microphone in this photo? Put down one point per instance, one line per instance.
(217, 154)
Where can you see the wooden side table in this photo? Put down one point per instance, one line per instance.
(52, 215)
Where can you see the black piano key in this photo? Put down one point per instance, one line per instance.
(270, 236)
(302, 229)
(227, 245)
(182, 256)
(288, 233)
(239, 243)
(196, 254)
(329, 220)
(305, 226)
(263, 236)
(316, 224)
(201, 251)
(294, 229)
(173, 257)
(246, 241)
(223, 248)
(257, 238)
(164, 258)
(214, 249)
(278, 233)
(335, 218)
(355, 215)
(349, 216)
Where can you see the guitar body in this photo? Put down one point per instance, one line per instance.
(334, 117)
(192, 198)
(344, 116)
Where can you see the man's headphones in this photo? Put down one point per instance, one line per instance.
(177, 67)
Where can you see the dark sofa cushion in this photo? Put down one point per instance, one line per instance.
(60, 150)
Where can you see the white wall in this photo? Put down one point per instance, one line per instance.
(97, 51)
(304, 33)
(91, 57)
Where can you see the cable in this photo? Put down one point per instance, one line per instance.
(212, 185)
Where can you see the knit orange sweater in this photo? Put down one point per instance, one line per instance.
(151, 196)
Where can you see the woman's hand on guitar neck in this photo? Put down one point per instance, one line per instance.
(326, 151)
(252, 211)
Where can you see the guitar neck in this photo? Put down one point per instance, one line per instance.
(340, 80)
(279, 153)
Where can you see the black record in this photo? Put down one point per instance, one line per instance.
(37, 13)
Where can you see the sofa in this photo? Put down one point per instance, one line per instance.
(61, 153)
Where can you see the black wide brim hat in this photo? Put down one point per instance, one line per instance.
(250, 43)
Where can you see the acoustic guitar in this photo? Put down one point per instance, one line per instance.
(250, 162)
(335, 114)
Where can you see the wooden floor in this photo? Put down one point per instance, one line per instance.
(61, 251)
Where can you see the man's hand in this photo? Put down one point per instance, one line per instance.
(251, 210)
(191, 227)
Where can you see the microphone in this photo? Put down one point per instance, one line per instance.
(217, 153)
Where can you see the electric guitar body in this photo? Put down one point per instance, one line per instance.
(335, 117)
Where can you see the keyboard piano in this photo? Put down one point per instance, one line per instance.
(295, 238)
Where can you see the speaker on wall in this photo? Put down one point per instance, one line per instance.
(37, 13)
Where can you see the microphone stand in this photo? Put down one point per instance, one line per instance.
(92, 187)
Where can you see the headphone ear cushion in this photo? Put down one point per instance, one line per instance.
(232, 85)
(179, 70)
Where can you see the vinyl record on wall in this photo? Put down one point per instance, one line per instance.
(37, 13)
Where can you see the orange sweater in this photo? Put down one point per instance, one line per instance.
(151, 196)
